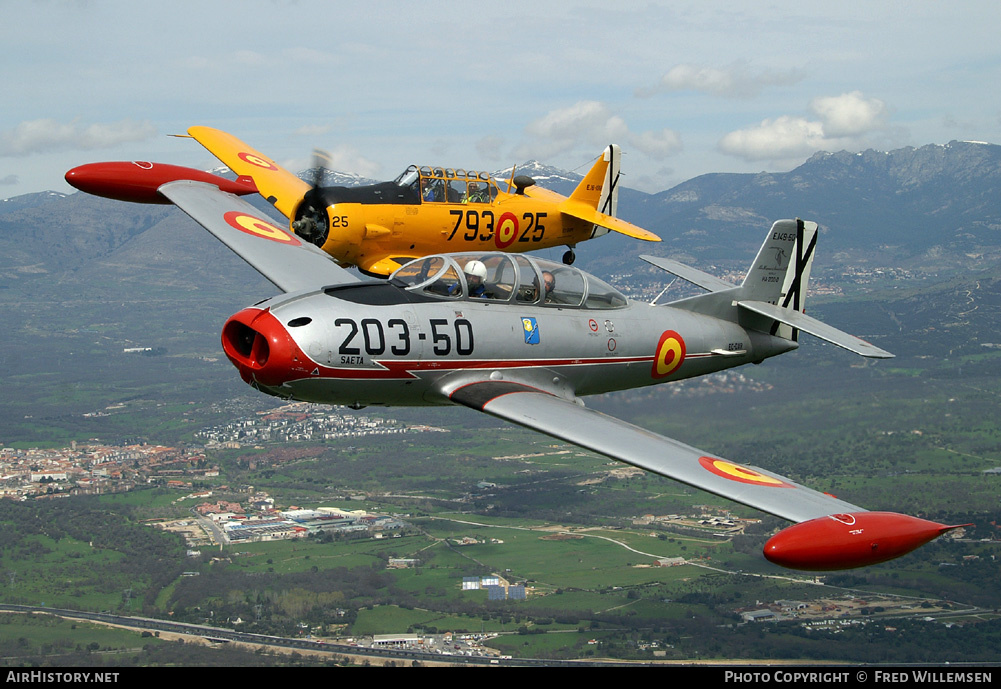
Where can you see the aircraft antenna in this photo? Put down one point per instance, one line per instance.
(588, 163)
(669, 285)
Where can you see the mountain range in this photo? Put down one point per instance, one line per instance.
(909, 258)
(931, 209)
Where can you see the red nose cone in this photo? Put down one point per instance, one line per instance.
(261, 349)
(138, 181)
(844, 541)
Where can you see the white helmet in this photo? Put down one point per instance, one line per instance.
(475, 268)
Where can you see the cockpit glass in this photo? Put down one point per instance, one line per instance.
(408, 176)
(529, 281)
(498, 277)
(417, 272)
(501, 277)
(448, 284)
(601, 295)
(563, 285)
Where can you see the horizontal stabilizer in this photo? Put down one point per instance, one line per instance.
(582, 211)
(801, 321)
(692, 275)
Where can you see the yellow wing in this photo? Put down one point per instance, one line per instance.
(279, 186)
(585, 212)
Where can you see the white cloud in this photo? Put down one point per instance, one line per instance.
(657, 145)
(37, 136)
(591, 124)
(849, 114)
(735, 81)
(561, 131)
(782, 137)
(312, 130)
(844, 122)
(309, 56)
(249, 58)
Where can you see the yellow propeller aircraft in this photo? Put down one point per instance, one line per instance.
(426, 210)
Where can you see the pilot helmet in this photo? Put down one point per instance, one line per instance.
(475, 268)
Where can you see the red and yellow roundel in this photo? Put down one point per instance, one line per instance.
(257, 160)
(735, 472)
(669, 355)
(507, 230)
(259, 228)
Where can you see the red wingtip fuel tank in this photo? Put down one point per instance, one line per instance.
(845, 541)
(261, 349)
(138, 181)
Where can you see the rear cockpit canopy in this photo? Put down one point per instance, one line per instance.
(447, 185)
(505, 278)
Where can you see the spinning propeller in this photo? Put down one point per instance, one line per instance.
(311, 221)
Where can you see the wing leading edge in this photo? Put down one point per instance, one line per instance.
(829, 533)
(561, 418)
(281, 257)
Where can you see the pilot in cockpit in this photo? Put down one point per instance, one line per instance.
(476, 273)
(477, 194)
(549, 282)
(431, 189)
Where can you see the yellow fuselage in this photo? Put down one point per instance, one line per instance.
(367, 234)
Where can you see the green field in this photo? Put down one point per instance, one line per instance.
(915, 434)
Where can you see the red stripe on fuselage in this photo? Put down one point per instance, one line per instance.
(406, 369)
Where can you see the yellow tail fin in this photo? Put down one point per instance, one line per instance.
(599, 188)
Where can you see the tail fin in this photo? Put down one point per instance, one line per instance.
(772, 297)
(778, 275)
(781, 270)
(775, 287)
(600, 186)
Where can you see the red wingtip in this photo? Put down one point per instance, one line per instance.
(138, 181)
(845, 541)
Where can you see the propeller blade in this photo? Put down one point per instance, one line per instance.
(321, 163)
(311, 216)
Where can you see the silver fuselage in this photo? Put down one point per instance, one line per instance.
(354, 348)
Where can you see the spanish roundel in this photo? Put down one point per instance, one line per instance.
(741, 474)
(507, 230)
(259, 228)
(669, 355)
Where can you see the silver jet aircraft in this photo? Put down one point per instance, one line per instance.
(524, 339)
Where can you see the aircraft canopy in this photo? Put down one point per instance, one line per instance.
(448, 185)
(509, 278)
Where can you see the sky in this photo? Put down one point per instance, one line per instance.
(685, 88)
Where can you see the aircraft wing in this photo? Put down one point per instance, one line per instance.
(279, 186)
(561, 418)
(278, 255)
(582, 211)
